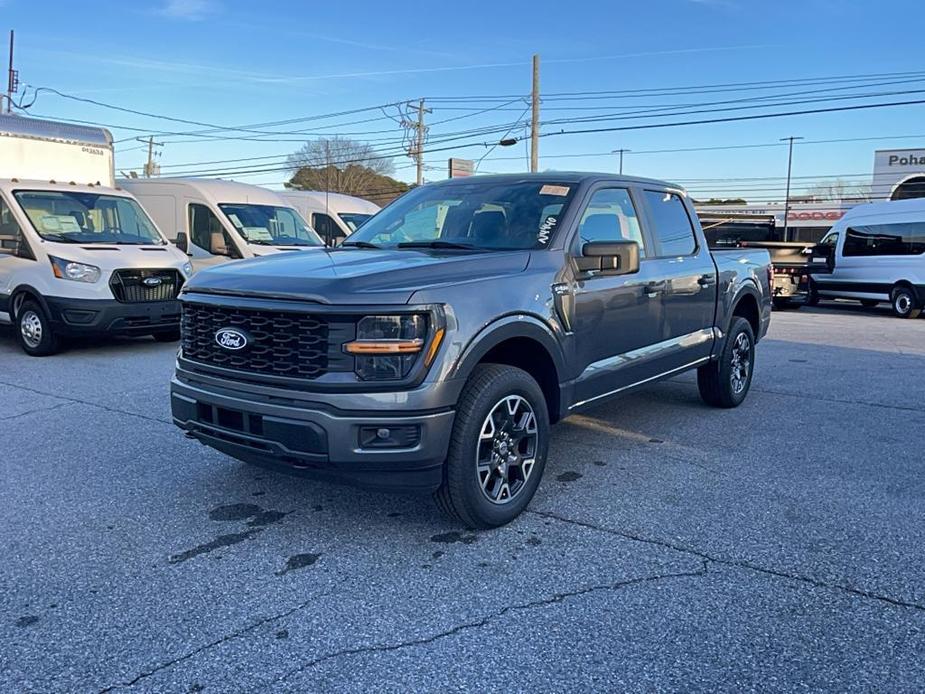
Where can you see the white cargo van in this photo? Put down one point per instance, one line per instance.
(77, 255)
(333, 215)
(215, 221)
(879, 257)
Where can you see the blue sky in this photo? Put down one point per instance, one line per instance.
(233, 63)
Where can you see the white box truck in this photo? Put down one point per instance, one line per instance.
(78, 256)
(333, 215)
(215, 221)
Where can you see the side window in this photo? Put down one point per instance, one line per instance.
(326, 227)
(611, 216)
(10, 233)
(673, 231)
(906, 238)
(206, 230)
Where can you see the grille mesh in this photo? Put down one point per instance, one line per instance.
(278, 343)
(128, 286)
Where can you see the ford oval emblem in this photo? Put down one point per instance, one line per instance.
(231, 339)
(152, 281)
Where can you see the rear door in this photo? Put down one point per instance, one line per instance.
(687, 281)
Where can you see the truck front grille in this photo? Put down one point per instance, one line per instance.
(137, 286)
(277, 343)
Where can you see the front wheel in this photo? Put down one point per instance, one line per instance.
(34, 331)
(726, 381)
(904, 303)
(497, 449)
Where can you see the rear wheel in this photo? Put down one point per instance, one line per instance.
(869, 303)
(497, 449)
(726, 381)
(34, 331)
(904, 303)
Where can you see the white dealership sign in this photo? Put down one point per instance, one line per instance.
(895, 166)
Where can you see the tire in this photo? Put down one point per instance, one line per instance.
(167, 335)
(720, 383)
(34, 331)
(812, 297)
(869, 303)
(904, 303)
(496, 493)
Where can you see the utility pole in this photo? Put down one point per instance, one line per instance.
(535, 117)
(789, 140)
(419, 140)
(12, 83)
(620, 152)
(151, 169)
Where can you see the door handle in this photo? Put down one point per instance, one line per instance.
(706, 280)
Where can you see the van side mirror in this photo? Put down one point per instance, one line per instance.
(182, 242)
(609, 257)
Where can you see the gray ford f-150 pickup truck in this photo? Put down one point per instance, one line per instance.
(433, 350)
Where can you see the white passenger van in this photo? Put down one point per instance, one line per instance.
(879, 256)
(333, 215)
(215, 221)
(78, 256)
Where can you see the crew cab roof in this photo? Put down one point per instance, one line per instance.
(575, 177)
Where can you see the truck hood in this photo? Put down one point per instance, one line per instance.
(355, 276)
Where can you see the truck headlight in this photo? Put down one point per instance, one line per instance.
(188, 269)
(72, 270)
(386, 347)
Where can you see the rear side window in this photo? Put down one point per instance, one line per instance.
(906, 238)
(672, 228)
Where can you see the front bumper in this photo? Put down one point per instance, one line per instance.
(318, 439)
(94, 316)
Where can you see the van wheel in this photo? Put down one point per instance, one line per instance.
(904, 303)
(34, 330)
(726, 381)
(497, 449)
(167, 336)
(812, 295)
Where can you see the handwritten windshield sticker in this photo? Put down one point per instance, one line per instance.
(553, 190)
(546, 229)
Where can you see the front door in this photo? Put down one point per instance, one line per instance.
(616, 318)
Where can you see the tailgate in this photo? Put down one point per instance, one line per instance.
(798, 258)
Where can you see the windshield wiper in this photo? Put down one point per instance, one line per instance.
(60, 238)
(358, 244)
(435, 244)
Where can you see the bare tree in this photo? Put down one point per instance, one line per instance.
(341, 165)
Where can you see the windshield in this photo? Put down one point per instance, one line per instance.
(354, 220)
(266, 225)
(487, 215)
(72, 217)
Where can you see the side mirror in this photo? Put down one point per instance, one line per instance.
(609, 257)
(182, 242)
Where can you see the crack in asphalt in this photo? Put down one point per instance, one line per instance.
(107, 408)
(739, 564)
(212, 644)
(487, 619)
(37, 409)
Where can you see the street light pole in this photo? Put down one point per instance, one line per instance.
(789, 140)
(620, 152)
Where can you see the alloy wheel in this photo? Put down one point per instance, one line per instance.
(506, 450)
(741, 362)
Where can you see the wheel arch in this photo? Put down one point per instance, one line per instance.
(23, 292)
(523, 341)
(747, 305)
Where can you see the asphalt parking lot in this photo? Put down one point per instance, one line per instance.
(670, 547)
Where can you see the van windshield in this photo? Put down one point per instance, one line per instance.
(354, 220)
(266, 225)
(483, 215)
(88, 218)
